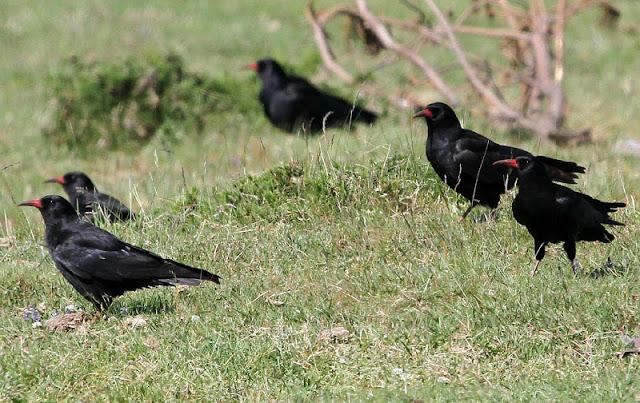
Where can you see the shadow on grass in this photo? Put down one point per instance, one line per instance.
(148, 304)
(609, 268)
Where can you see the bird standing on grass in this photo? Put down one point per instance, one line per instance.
(99, 265)
(463, 159)
(87, 200)
(291, 102)
(553, 213)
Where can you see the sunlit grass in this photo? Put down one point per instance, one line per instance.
(366, 238)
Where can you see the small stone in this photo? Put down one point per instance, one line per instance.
(31, 314)
(443, 379)
(275, 302)
(628, 147)
(70, 308)
(135, 322)
(195, 318)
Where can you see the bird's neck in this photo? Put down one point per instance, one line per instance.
(274, 81)
(534, 182)
(444, 132)
(58, 229)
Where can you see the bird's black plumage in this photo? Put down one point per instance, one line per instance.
(463, 159)
(101, 266)
(291, 102)
(553, 213)
(87, 200)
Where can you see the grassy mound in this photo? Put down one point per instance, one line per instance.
(124, 105)
(299, 191)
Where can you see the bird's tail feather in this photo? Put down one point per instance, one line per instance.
(364, 115)
(188, 281)
(596, 233)
(606, 207)
(561, 171)
(612, 222)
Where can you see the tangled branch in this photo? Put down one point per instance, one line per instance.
(532, 45)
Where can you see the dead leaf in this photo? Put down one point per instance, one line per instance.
(135, 321)
(68, 321)
(274, 301)
(335, 334)
(7, 241)
(152, 343)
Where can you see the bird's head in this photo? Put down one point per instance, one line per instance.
(52, 207)
(72, 181)
(527, 168)
(267, 68)
(520, 164)
(438, 114)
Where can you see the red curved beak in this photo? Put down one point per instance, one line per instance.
(57, 179)
(37, 203)
(252, 66)
(426, 112)
(511, 163)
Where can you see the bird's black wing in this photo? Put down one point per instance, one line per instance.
(474, 151)
(320, 104)
(100, 256)
(559, 170)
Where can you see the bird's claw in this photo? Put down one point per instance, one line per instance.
(575, 265)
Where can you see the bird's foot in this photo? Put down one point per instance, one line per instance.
(575, 265)
(534, 269)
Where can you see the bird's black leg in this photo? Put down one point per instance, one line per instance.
(539, 249)
(493, 213)
(467, 211)
(570, 249)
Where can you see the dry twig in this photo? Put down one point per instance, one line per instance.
(532, 44)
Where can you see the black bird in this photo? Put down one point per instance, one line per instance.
(463, 159)
(99, 265)
(87, 200)
(553, 213)
(291, 102)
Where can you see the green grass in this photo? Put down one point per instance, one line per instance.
(357, 233)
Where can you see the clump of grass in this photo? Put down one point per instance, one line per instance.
(124, 105)
(399, 183)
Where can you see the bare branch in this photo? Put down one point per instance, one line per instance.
(532, 43)
(323, 46)
(424, 31)
(469, 11)
(558, 33)
(540, 19)
(482, 90)
(491, 32)
(387, 40)
(421, 15)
